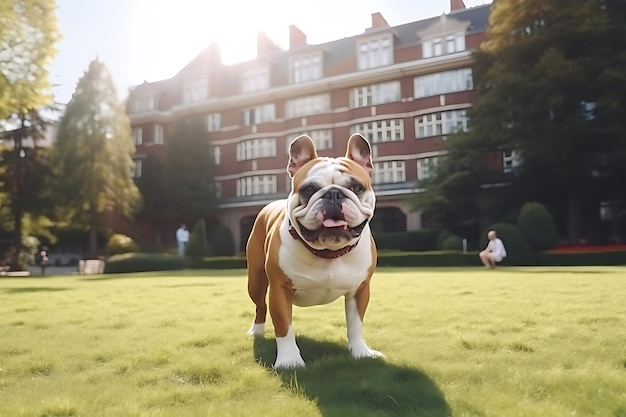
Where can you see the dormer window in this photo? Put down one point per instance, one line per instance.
(255, 79)
(443, 45)
(306, 68)
(195, 90)
(374, 53)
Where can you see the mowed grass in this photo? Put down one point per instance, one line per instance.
(458, 342)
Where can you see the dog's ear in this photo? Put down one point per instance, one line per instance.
(301, 151)
(360, 151)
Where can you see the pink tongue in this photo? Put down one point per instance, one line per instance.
(334, 223)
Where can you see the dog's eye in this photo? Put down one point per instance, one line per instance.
(307, 191)
(357, 188)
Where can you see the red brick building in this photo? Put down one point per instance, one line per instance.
(404, 87)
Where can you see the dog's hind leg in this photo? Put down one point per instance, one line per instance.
(257, 289)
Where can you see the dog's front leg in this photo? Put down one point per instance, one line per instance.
(288, 353)
(355, 311)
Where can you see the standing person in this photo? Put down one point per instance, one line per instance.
(182, 237)
(494, 252)
(43, 259)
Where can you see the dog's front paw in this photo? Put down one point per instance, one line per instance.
(361, 350)
(257, 329)
(286, 361)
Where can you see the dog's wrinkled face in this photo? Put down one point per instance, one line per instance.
(332, 200)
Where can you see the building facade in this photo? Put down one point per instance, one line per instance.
(404, 87)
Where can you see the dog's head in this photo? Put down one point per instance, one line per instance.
(331, 200)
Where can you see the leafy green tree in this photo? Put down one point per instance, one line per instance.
(223, 241)
(552, 78)
(537, 225)
(190, 185)
(28, 30)
(198, 245)
(93, 155)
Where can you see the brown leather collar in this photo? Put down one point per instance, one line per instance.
(322, 253)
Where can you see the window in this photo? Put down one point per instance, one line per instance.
(256, 185)
(426, 167)
(194, 91)
(144, 104)
(137, 135)
(255, 79)
(381, 131)
(375, 94)
(259, 114)
(375, 53)
(443, 83)
(306, 106)
(443, 46)
(158, 134)
(388, 172)
(510, 161)
(306, 68)
(137, 169)
(256, 148)
(441, 123)
(214, 122)
(323, 138)
(217, 155)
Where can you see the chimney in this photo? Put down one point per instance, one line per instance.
(264, 45)
(378, 21)
(297, 38)
(457, 5)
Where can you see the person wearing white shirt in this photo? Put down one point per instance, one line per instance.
(494, 252)
(182, 237)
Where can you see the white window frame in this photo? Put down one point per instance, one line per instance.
(323, 138)
(510, 161)
(426, 167)
(144, 104)
(217, 155)
(158, 135)
(137, 136)
(214, 122)
(256, 185)
(256, 148)
(441, 123)
(306, 68)
(255, 79)
(443, 83)
(259, 114)
(379, 131)
(137, 168)
(375, 52)
(389, 172)
(307, 106)
(374, 94)
(443, 45)
(195, 90)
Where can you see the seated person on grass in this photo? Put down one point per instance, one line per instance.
(494, 252)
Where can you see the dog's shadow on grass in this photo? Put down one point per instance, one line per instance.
(342, 386)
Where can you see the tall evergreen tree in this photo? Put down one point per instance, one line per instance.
(552, 78)
(93, 154)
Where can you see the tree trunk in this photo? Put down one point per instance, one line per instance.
(573, 218)
(16, 260)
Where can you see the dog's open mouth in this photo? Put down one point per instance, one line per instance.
(332, 228)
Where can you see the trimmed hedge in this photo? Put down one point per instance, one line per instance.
(607, 258)
(415, 240)
(142, 262)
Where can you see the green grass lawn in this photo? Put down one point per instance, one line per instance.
(458, 342)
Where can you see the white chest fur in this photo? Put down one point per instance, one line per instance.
(317, 280)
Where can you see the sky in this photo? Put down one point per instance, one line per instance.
(151, 40)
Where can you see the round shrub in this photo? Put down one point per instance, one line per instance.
(537, 225)
(452, 242)
(119, 243)
(517, 250)
(443, 235)
(223, 242)
(198, 246)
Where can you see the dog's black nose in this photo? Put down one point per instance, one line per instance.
(334, 195)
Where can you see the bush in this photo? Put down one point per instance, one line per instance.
(428, 259)
(222, 241)
(537, 225)
(443, 235)
(140, 262)
(517, 249)
(198, 246)
(605, 258)
(119, 244)
(452, 242)
(415, 240)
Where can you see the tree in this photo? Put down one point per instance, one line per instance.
(552, 82)
(93, 155)
(198, 245)
(28, 30)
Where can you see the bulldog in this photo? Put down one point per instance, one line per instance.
(316, 246)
